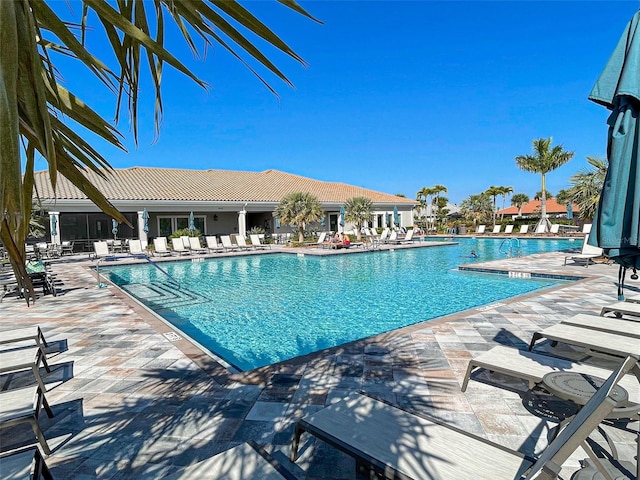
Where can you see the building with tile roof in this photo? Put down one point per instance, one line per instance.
(222, 202)
(534, 208)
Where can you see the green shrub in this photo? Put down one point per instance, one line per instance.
(185, 232)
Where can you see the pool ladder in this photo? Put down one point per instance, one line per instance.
(141, 256)
(510, 247)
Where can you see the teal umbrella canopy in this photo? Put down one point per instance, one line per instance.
(145, 219)
(616, 226)
(569, 211)
(54, 225)
(342, 216)
(192, 222)
(114, 227)
(396, 217)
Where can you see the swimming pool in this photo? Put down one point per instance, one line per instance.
(257, 310)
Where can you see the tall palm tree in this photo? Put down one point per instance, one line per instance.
(358, 210)
(476, 208)
(437, 189)
(544, 160)
(38, 114)
(518, 200)
(587, 186)
(424, 197)
(493, 192)
(299, 209)
(504, 192)
(538, 195)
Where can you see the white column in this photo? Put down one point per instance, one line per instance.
(54, 224)
(142, 235)
(242, 222)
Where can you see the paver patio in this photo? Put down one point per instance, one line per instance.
(132, 402)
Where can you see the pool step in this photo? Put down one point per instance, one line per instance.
(164, 295)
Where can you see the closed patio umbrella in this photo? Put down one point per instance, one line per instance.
(342, 216)
(617, 222)
(569, 211)
(192, 225)
(145, 218)
(114, 228)
(54, 226)
(396, 217)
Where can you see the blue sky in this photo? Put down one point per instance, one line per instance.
(397, 95)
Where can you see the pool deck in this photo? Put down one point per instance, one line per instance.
(134, 400)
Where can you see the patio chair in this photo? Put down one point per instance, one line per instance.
(400, 444)
(619, 309)
(100, 250)
(541, 229)
(586, 228)
(23, 405)
(524, 230)
(593, 342)
(135, 247)
(16, 359)
(196, 246)
(555, 229)
(496, 229)
(587, 253)
(508, 230)
(25, 463)
(256, 243)
(66, 248)
(160, 247)
(480, 229)
(246, 461)
(241, 241)
(24, 334)
(227, 245)
(608, 324)
(212, 245)
(177, 246)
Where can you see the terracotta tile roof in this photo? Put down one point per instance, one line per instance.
(534, 206)
(144, 183)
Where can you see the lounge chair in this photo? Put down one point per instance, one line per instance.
(23, 405)
(541, 229)
(195, 245)
(16, 359)
(508, 230)
(241, 241)
(400, 444)
(555, 229)
(66, 248)
(100, 250)
(608, 324)
(246, 461)
(177, 246)
(227, 245)
(496, 229)
(619, 309)
(135, 247)
(212, 245)
(256, 243)
(524, 229)
(185, 241)
(23, 334)
(160, 247)
(408, 238)
(596, 343)
(481, 228)
(586, 228)
(587, 253)
(532, 367)
(25, 463)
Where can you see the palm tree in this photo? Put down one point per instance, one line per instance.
(544, 160)
(437, 189)
(505, 191)
(538, 195)
(476, 208)
(587, 185)
(358, 210)
(35, 107)
(493, 192)
(424, 197)
(299, 209)
(518, 200)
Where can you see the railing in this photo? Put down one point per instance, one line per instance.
(510, 247)
(140, 256)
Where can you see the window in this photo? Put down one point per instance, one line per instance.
(168, 225)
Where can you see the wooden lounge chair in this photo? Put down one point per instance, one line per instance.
(24, 334)
(178, 247)
(25, 463)
(23, 405)
(608, 324)
(212, 245)
(400, 444)
(246, 461)
(622, 308)
(532, 367)
(587, 253)
(593, 342)
(160, 247)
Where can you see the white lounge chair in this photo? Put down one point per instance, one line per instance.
(22, 405)
(587, 253)
(135, 247)
(481, 229)
(404, 445)
(100, 250)
(160, 247)
(256, 243)
(555, 229)
(496, 229)
(177, 246)
(622, 308)
(508, 230)
(242, 242)
(586, 228)
(227, 245)
(195, 245)
(212, 244)
(607, 324)
(524, 229)
(541, 229)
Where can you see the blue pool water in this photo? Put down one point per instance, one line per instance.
(257, 310)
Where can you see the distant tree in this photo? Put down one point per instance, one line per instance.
(477, 208)
(299, 209)
(587, 186)
(505, 191)
(563, 197)
(437, 190)
(518, 200)
(358, 210)
(547, 194)
(442, 211)
(424, 196)
(493, 192)
(401, 195)
(544, 160)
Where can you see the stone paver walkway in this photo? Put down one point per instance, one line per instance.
(133, 400)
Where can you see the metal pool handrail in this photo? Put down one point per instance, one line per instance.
(137, 255)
